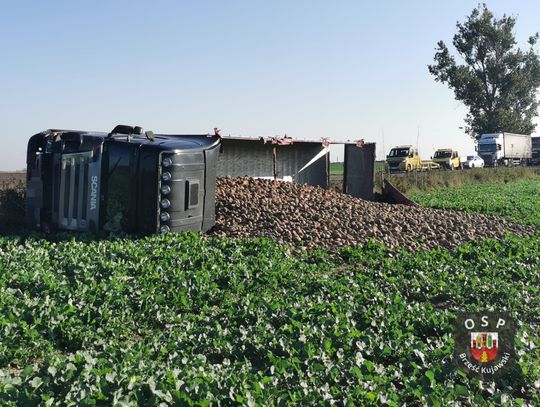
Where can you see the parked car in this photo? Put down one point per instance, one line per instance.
(473, 161)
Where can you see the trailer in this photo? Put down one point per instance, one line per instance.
(298, 160)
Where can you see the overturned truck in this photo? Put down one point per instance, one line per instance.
(136, 181)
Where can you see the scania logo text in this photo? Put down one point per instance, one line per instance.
(93, 192)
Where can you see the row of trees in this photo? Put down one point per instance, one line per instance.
(495, 79)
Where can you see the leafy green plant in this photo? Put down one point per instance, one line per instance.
(519, 200)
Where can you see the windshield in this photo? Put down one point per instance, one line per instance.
(443, 154)
(399, 152)
(487, 148)
(119, 191)
(470, 157)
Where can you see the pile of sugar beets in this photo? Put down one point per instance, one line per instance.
(315, 217)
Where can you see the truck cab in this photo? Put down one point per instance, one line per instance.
(490, 149)
(127, 180)
(447, 158)
(403, 158)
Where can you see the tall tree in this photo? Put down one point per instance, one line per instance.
(497, 81)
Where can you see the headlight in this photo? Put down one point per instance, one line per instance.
(165, 203)
(166, 176)
(164, 229)
(167, 162)
(164, 216)
(165, 189)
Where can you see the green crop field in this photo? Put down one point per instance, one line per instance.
(337, 168)
(187, 320)
(518, 200)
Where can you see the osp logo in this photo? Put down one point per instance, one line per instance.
(484, 343)
(93, 192)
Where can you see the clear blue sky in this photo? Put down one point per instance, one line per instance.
(311, 69)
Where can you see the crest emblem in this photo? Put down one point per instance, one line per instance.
(484, 346)
(484, 343)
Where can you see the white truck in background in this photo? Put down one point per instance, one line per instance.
(508, 149)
